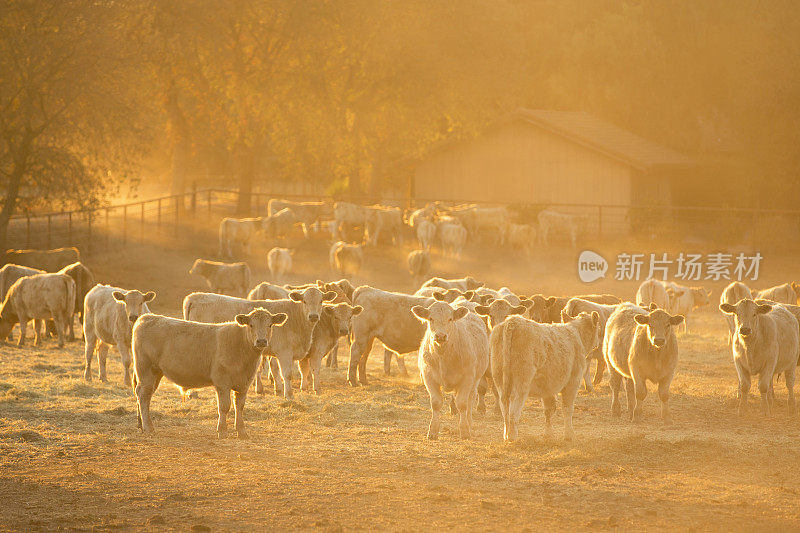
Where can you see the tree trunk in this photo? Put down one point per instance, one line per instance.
(246, 171)
(179, 129)
(12, 194)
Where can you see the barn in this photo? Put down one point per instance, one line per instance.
(561, 159)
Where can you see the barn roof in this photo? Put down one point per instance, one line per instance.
(602, 136)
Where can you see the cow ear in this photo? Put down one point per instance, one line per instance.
(764, 308)
(488, 301)
(328, 309)
(439, 296)
(242, 320)
(468, 295)
(420, 312)
(526, 303)
(149, 296)
(321, 284)
(675, 320)
(595, 318)
(727, 308)
(329, 296)
(357, 310)
(518, 310)
(460, 313)
(652, 307)
(641, 319)
(118, 296)
(279, 319)
(565, 317)
(296, 296)
(482, 310)
(670, 292)
(551, 301)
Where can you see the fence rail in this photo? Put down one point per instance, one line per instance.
(96, 229)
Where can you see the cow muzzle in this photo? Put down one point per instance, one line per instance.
(261, 343)
(133, 318)
(659, 342)
(343, 331)
(313, 317)
(440, 338)
(744, 331)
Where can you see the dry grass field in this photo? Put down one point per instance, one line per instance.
(71, 457)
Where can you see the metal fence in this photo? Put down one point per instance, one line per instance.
(102, 228)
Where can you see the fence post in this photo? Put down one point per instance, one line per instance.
(108, 228)
(89, 230)
(141, 227)
(124, 223)
(194, 198)
(49, 231)
(159, 212)
(28, 232)
(69, 228)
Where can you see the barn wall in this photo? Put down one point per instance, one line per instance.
(521, 163)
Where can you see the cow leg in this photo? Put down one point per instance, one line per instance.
(275, 376)
(316, 364)
(359, 351)
(223, 406)
(38, 330)
(238, 412)
(789, 377)
(259, 384)
(102, 357)
(61, 330)
(71, 327)
(23, 329)
(663, 395)
(568, 395)
(640, 390)
(435, 393)
(483, 386)
(516, 402)
(549, 408)
(587, 383)
(401, 365)
(89, 343)
(387, 361)
(599, 371)
(630, 393)
(305, 371)
(764, 387)
(285, 367)
(127, 359)
(614, 381)
(462, 399)
(331, 360)
(147, 382)
(744, 389)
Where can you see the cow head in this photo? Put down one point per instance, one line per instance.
(259, 324)
(537, 309)
(700, 296)
(450, 295)
(340, 315)
(440, 318)
(311, 300)
(473, 284)
(198, 267)
(588, 326)
(745, 313)
(658, 323)
(133, 302)
(499, 310)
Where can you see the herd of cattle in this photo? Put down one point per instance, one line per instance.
(469, 338)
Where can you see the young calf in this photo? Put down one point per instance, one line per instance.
(735, 291)
(224, 278)
(108, 317)
(640, 346)
(38, 297)
(453, 356)
(766, 343)
(194, 355)
(279, 262)
(334, 322)
(540, 360)
(576, 306)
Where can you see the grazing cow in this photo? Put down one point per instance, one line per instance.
(387, 317)
(641, 345)
(346, 259)
(47, 260)
(419, 265)
(38, 297)
(652, 291)
(386, 220)
(348, 215)
(786, 293)
(426, 233)
(684, 300)
(453, 238)
(551, 222)
(555, 304)
(108, 316)
(280, 224)
(766, 343)
(289, 344)
(573, 308)
(735, 291)
(306, 213)
(445, 295)
(454, 356)
(193, 355)
(84, 281)
(9, 274)
(334, 323)
(540, 360)
(238, 232)
(463, 284)
(224, 278)
(522, 237)
(267, 291)
(279, 262)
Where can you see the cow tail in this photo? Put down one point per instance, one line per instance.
(187, 307)
(70, 287)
